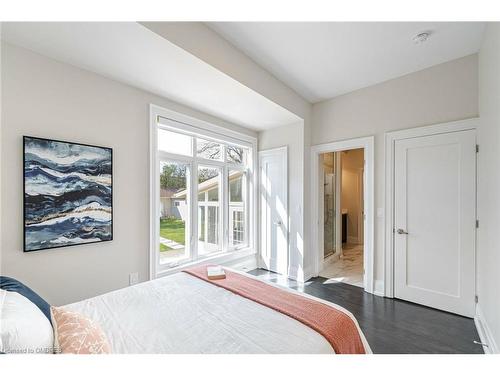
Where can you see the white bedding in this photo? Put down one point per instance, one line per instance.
(183, 314)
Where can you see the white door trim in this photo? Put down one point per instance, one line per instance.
(283, 151)
(361, 220)
(390, 139)
(367, 143)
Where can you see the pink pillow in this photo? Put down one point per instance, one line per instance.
(77, 334)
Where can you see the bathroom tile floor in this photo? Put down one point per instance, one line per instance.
(348, 269)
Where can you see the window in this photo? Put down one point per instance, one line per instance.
(174, 231)
(208, 149)
(235, 154)
(202, 194)
(236, 207)
(238, 232)
(175, 143)
(209, 210)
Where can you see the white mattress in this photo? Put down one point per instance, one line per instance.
(183, 314)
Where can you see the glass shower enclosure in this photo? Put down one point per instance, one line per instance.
(329, 203)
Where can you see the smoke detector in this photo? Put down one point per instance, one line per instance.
(421, 37)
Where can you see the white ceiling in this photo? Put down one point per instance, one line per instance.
(131, 53)
(323, 60)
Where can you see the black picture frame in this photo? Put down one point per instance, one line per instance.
(26, 247)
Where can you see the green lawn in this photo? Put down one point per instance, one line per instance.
(173, 229)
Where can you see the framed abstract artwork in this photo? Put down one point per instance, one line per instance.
(68, 194)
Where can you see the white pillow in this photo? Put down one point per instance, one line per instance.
(23, 327)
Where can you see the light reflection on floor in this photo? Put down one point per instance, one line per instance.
(348, 269)
(334, 280)
(283, 280)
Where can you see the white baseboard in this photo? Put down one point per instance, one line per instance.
(484, 332)
(294, 273)
(297, 274)
(308, 275)
(378, 288)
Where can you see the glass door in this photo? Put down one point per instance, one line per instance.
(329, 201)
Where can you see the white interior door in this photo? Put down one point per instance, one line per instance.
(434, 221)
(273, 191)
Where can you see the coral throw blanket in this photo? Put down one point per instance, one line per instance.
(338, 328)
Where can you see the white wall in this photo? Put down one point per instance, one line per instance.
(442, 93)
(42, 97)
(291, 136)
(489, 183)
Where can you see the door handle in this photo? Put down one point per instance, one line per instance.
(278, 222)
(402, 231)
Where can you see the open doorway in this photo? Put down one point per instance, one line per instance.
(343, 216)
(367, 188)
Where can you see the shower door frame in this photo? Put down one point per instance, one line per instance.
(338, 215)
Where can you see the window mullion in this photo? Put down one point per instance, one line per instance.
(211, 163)
(194, 210)
(205, 195)
(155, 223)
(225, 208)
(246, 208)
(224, 201)
(224, 154)
(193, 243)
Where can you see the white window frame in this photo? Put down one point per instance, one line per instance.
(171, 120)
(244, 205)
(208, 204)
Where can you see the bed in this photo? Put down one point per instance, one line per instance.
(182, 313)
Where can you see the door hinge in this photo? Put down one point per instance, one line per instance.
(477, 223)
(476, 298)
(477, 148)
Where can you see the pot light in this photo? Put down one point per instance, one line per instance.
(421, 37)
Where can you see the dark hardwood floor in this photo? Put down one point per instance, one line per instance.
(390, 325)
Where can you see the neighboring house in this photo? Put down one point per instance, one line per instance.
(209, 208)
(168, 206)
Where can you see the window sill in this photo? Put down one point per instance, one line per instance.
(218, 258)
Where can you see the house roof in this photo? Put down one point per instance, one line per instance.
(208, 184)
(167, 193)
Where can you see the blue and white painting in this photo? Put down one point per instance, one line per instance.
(67, 194)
